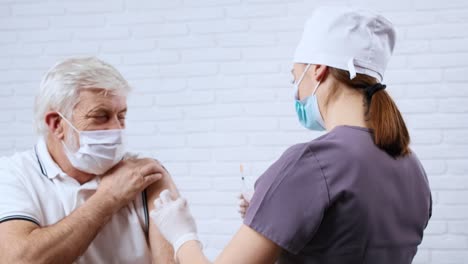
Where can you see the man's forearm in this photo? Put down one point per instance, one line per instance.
(69, 238)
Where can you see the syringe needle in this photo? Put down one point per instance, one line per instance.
(244, 186)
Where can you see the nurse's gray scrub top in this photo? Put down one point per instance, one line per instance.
(339, 199)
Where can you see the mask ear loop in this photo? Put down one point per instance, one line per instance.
(303, 75)
(296, 84)
(316, 87)
(68, 122)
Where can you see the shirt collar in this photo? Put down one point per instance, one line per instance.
(48, 166)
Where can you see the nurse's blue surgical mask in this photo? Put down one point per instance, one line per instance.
(307, 109)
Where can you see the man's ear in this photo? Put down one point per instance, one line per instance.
(53, 121)
(320, 72)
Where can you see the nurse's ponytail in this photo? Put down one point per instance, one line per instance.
(383, 117)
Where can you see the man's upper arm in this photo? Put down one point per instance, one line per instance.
(19, 215)
(16, 201)
(12, 234)
(161, 250)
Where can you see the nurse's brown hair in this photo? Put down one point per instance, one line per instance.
(383, 117)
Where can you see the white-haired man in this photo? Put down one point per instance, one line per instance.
(78, 196)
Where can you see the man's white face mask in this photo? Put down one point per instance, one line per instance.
(99, 150)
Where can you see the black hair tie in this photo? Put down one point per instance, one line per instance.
(372, 89)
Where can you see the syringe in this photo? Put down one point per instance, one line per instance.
(244, 185)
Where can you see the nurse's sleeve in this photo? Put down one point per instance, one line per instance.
(290, 200)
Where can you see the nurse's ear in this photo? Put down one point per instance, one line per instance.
(53, 121)
(319, 72)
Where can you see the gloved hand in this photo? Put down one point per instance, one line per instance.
(174, 220)
(244, 203)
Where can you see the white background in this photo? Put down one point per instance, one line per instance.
(212, 90)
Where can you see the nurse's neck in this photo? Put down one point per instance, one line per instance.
(346, 108)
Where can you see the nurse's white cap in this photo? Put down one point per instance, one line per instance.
(358, 41)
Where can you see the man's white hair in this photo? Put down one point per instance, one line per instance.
(60, 87)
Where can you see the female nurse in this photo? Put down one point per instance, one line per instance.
(357, 194)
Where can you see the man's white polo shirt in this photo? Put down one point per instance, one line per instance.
(33, 188)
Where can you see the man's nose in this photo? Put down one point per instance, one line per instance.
(114, 123)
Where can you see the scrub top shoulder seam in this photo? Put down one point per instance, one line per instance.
(322, 172)
(272, 188)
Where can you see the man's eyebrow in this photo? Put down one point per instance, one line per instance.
(98, 108)
(103, 108)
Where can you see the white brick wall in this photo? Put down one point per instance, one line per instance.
(212, 90)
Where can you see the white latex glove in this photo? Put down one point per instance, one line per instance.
(244, 203)
(174, 220)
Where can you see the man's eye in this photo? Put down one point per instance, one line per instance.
(100, 117)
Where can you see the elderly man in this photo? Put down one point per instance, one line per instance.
(78, 196)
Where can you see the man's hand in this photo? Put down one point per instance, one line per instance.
(127, 179)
